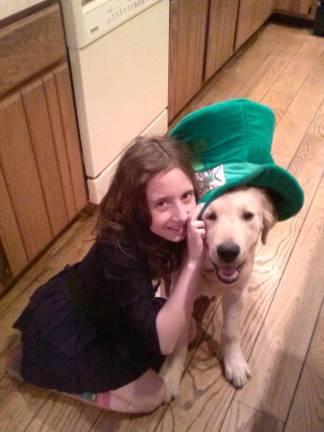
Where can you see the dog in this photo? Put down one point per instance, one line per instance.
(235, 222)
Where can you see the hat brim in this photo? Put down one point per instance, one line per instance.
(286, 192)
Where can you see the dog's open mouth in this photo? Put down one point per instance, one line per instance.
(227, 273)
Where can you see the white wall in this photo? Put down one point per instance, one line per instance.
(10, 7)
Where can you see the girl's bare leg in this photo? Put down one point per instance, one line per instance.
(140, 396)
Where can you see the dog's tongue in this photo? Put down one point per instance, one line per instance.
(228, 274)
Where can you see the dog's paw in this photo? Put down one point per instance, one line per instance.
(236, 369)
(172, 384)
(172, 390)
(172, 379)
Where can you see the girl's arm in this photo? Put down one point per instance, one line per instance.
(174, 315)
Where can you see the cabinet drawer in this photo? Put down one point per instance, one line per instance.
(29, 46)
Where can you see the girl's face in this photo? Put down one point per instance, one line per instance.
(170, 199)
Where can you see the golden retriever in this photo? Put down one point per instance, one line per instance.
(234, 224)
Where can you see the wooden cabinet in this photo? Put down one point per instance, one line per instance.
(188, 21)
(221, 31)
(42, 183)
(252, 14)
(203, 36)
(298, 7)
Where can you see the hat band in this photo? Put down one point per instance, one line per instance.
(211, 179)
(228, 175)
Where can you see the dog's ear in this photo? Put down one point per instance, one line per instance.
(269, 215)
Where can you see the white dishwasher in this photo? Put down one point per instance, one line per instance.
(118, 51)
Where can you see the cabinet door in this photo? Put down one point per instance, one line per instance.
(20, 172)
(252, 14)
(41, 179)
(301, 7)
(221, 31)
(13, 252)
(188, 21)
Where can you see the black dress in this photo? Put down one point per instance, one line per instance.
(91, 328)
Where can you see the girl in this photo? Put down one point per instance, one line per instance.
(96, 329)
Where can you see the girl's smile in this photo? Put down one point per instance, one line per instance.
(170, 199)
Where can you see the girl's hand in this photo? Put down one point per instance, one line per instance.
(195, 236)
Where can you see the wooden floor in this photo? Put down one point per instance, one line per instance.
(283, 329)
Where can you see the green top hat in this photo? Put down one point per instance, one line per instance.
(231, 143)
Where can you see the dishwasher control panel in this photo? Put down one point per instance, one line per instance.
(86, 22)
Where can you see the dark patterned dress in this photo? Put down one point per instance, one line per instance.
(92, 327)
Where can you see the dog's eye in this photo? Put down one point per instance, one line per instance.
(211, 216)
(248, 215)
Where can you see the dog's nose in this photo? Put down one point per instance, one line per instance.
(228, 251)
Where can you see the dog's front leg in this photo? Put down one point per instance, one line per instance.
(173, 366)
(236, 369)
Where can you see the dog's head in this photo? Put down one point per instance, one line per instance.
(234, 223)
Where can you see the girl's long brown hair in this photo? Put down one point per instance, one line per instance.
(124, 213)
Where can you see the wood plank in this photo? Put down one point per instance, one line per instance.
(307, 165)
(62, 413)
(239, 76)
(284, 5)
(245, 419)
(282, 93)
(29, 46)
(10, 235)
(221, 31)
(282, 344)
(72, 142)
(188, 20)
(19, 404)
(233, 76)
(40, 130)
(306, 8)
(84, 228)
(20, 172)
(59, 142)
(307, 412)
(252, 14)
(276, 32)
(301, 7)
(264, 78)
(296, 121)
(316, 76)
(77, 250)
